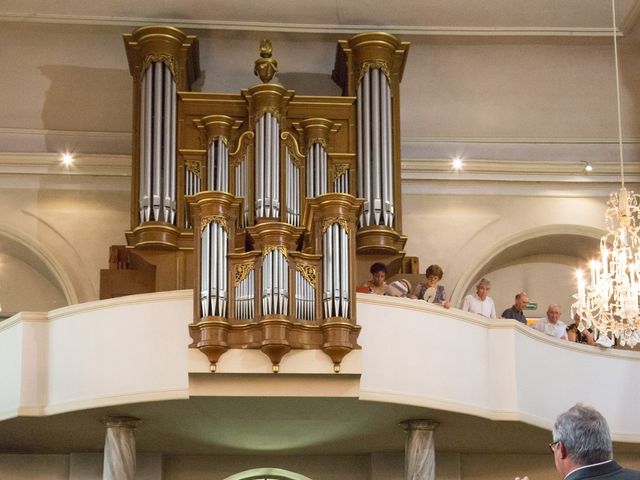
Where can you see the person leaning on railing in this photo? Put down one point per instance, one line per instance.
(430, 291)
(377, 284)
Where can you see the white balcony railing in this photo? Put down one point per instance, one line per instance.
(135, 348)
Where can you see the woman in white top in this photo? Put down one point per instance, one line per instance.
(480, 303)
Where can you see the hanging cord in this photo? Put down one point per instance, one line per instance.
(615, 51)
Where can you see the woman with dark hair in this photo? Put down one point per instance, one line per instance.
(377, 284)
(430, 291)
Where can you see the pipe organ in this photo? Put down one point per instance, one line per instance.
(370, 66)
(274, 192)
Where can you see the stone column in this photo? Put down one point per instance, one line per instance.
(420, 454)
(120, 448)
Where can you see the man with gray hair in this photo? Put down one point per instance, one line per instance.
(480, 303)
(582, 447)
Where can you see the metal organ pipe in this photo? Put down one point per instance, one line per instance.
(217, 165)
(317, 170)
(375, 149)
(275, 283)
(292, 193)
(266, 138)
(158, 145)
(336, 271)
(275, 161)
(213, 274)
(267, 178)
(259, 168)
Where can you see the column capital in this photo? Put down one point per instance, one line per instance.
(120, 421)
(418, 424)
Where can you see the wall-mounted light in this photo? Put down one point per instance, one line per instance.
(456, 164)
(66, 159)
(587, 167)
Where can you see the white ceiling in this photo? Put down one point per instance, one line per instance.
(513, 17)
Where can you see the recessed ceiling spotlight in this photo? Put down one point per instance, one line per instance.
(456, 163)
(66, 159)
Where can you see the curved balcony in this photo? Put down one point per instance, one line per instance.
(134, 349)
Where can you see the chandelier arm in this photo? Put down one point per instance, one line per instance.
(615, 51)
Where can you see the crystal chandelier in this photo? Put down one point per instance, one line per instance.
(609, 301)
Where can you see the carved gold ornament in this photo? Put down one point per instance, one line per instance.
(207, 219)
(165, 58)
(266, 66)
(309, 273)
(321, 140)
(219, 137)
(330, 221)
(340, 169)
(194, 167)
(267, 249)
(274, 111)
(372, 64)
(242, 271)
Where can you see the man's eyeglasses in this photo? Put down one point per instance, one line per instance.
(552, 445)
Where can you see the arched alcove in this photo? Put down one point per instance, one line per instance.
(267, 474)
(540, 261)
(30, 278)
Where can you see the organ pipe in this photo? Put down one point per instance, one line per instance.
(158, 145)
(335, 250)
(213, 270)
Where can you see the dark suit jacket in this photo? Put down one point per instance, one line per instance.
(610, 470)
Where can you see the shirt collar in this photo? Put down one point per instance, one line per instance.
(587, 466)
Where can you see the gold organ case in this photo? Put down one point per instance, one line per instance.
(261, 200)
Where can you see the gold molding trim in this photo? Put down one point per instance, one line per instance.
(294, 148)
(379, 64)
(241, 271)
(309, 273)
(340, 169)
(267, 249)
(207, 219)
(340, 220)
(165, 58)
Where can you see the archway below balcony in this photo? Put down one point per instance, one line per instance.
(541, 261)
(267, 474)
(30, 277)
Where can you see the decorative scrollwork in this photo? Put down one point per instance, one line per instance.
(241, 271)
(371, 64)
(340, 169)
(330, 221)
(165, 58)
(309, 273)
(267, 249)
(294, 149)
(240, 153)
(207, 219)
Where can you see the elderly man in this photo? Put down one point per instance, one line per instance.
(552, 325)
(516, 312)
(582, 447)
(480, 303)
